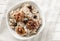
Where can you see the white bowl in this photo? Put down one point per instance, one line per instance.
(18, 5)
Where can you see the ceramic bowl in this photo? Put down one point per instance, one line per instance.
(18, 5)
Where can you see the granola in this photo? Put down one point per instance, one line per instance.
(26, 20)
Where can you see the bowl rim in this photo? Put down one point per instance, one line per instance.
(24, 38)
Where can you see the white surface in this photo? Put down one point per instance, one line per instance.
(56, 36)
(43, 21)
(2, 8)
(57, 29)
(51, 9)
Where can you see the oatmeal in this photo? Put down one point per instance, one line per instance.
(25, 20)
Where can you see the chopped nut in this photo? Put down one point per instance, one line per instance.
(12, 20)
(34, 11)
(11, 24)
(25, 20)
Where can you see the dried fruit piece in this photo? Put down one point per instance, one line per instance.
(15, 24)
(31, 24)
(20, 30)
(30, 8)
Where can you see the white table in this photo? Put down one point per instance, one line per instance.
(51, 9)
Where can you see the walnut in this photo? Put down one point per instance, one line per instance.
(31, 25)
(19, 16)
(20, 30)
